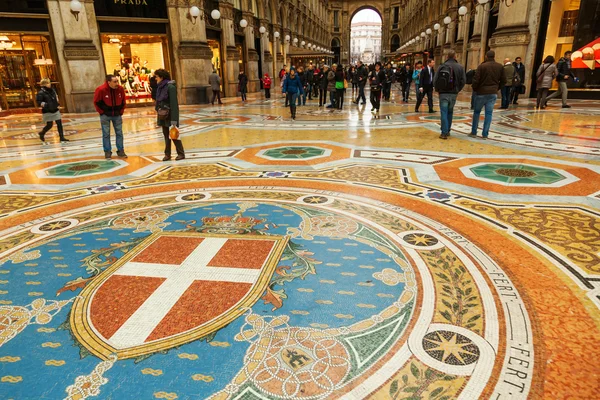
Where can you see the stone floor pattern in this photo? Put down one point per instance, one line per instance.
(335, 256)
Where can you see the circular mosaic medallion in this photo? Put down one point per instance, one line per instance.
(307, 296)
(450, 348)
(294, 153)
(83, 168)
(518, 174)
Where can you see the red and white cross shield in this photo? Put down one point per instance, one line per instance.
(171, 289)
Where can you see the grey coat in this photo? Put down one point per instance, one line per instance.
(548, 75)
(214, 81)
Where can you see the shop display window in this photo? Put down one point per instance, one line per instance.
(215, 47)
(134, 58)
(24, 61)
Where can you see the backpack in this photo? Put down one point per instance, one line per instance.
(445, 79)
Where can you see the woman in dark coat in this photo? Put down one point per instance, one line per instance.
(340, 90)
(166, 98)
(243, 85)
(48, 100)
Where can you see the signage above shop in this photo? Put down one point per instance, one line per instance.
(131, 8)
(20, 6)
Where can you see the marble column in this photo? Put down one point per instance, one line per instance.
(475, 41)
(230, 55)
(79, 53)
(252, 56)
(192, 62)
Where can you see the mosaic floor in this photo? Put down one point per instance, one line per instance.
(335, 256)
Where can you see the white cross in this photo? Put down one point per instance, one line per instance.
(179, 278)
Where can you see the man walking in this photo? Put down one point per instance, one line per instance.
(387, 85)
(426, 85)
(563, 75)
(488, 79)
(361, 74)
(508, 71)
(214, 80)
(450, 79)
(109, 100)
(518, 80)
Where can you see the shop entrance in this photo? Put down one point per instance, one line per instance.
(134, 58)
(24, 61)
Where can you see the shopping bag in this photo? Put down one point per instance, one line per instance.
(174, 133)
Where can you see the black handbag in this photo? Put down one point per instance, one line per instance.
(522, 89)
(163, 113)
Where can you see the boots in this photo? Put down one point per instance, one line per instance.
(293, 110)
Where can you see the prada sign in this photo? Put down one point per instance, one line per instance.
(131, 8)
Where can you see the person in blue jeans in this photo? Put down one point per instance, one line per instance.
(109, 100)
(294, 88)
(509, 73)
(448, 90)
(488, 79)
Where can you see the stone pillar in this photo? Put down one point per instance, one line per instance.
(79, 53)
(512, 36)
(252, 56)
(286, 46)
(475, 41)
(192, 62)
(230, 55)
(267, 57)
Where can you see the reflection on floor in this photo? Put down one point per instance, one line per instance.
(336, 256)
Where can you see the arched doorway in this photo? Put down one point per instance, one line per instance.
(366, 36)
(394, 43)
(336, 48)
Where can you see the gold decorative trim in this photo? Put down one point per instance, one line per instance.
(85, 334)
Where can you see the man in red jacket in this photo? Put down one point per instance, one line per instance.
(109, 100)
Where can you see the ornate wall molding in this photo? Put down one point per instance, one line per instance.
(232, 53)
(510, 37)
(253, 55)
(194, 51)
(80, 50)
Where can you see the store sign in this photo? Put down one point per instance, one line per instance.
(131, 8)
(587, 57)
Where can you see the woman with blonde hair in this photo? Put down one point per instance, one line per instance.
(48, 100)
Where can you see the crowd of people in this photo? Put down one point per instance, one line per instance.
(299, 85)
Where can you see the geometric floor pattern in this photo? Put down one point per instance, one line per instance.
(335, 256)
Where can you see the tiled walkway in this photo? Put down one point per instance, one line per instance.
(335, 256)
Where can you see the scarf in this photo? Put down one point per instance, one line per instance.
(162, 93)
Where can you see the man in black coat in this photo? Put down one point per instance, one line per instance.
(426, 85)
(518, 79)
(361, 74)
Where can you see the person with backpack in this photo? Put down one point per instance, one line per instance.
(48, 100)
(563, 75)
(450, 79)
(416, 76)
(518, 80)
(167, 110)
(509, 72)
(340, 86)
(361, 76)
(376, 81)
(544, 77)
(293, 87)
(488, 79)
(426, 85)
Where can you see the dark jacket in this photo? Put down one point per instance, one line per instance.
(109, 102)
(340, 76)
(404, 76)
(293, 85)
(460, 78)
(520, 70)
(170, 102)
(563, 68)
(352, 77)
(425, 81)
(376, 79)
(49, 98)
(303, 78)
(153, 86)
(242, 82)
(489, 78)
(389, 75)
(323, 81)
(361, 75)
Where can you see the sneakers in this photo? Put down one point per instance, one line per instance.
(107, 155)
(180, 157)
(121, 153)
(566, 106)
